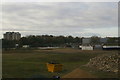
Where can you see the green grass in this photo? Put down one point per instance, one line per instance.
(32, 63)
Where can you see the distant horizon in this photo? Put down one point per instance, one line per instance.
(56, 35)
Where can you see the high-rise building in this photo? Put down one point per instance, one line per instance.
(12, 36)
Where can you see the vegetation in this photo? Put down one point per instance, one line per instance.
(42, 41)
(53, 41)
(95, 40)
(113, 41)
(32, 63)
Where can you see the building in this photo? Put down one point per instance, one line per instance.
(103, 40)
(25, 46)
(12, 36)
(87, 47)
(86, 41)
(86, 44)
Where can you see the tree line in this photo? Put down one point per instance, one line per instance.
(41, 41)
(53, 41)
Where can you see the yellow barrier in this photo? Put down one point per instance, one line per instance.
(54, 67)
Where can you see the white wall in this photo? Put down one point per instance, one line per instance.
(87, 47)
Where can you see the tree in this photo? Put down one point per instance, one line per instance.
(95, 40)
(112, 40)
(7, 44)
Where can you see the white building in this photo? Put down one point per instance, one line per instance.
(86, 47)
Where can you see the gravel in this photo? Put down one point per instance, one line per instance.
(106, 62)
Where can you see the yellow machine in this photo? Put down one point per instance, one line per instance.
(54, 67)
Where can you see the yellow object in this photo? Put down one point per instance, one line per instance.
(54, 67)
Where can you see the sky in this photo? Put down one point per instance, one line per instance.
(82, 19)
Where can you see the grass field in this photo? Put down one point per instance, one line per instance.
(32, 63)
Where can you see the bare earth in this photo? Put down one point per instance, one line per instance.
(78, 73)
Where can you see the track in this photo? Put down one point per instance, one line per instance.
(78, 73)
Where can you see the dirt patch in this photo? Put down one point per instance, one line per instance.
(78, 73)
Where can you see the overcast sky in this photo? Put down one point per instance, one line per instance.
(61, 18)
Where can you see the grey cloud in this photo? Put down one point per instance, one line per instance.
(58, 18)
